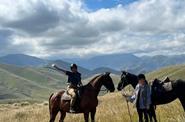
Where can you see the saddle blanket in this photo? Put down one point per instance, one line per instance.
(66, 96)
(168, 86)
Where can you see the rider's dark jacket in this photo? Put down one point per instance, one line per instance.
(73, 78)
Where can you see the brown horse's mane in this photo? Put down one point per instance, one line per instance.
(93, 81)
(95, 78)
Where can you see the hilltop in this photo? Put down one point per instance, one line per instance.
(173, 72)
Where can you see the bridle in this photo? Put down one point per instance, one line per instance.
(123, 82)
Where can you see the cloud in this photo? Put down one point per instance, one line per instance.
(66, 28)
(5, 39)
(39, 21)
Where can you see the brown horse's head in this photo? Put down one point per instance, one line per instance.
(108, 82)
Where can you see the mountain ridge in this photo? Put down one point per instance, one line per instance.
(112, 62)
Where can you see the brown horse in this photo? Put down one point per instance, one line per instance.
(88, 99)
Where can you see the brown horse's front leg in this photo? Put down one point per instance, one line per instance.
(86, 116)
(93, 112)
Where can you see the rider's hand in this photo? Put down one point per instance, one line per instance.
(127, 99)
(124, 94)
(53, 65)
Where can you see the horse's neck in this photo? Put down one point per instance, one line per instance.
(96, 84)
(133, 80)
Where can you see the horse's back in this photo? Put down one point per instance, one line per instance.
(179, 86)
(163, 93)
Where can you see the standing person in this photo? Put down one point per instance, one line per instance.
(74, 82)
(141, 98)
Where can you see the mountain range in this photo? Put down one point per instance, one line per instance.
(22, 60)
(130, 62)
(104, 63)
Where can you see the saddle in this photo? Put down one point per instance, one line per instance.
(166, 80)
(78, 92)
(162, 86)
(66, 96)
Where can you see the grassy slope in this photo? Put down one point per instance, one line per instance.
(173, 72)
(15, 87)
(112, 108)
(28, 83)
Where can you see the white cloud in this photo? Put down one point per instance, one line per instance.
(64, 28)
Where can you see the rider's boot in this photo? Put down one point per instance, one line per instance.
(72, 105)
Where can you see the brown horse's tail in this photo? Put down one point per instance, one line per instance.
(50, 102)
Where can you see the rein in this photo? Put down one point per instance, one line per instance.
(124, 82)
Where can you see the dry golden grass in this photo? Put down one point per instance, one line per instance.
(112, 108)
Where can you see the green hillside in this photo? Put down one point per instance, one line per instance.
(28, 83)
(173, 72)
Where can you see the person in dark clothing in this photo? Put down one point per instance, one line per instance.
(141, 98)
(74, 82)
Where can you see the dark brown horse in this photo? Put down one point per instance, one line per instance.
(88, 99)
(158, 97)
(178, 89)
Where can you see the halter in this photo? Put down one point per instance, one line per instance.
(124, 82)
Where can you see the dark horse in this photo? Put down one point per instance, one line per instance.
(88, 99)
(158, 97)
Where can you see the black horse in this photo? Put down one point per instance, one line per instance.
(159, 95)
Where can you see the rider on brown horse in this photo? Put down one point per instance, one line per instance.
(74, 82)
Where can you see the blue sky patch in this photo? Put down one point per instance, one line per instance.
(98, 4)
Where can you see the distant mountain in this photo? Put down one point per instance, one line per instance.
(131, 62)
(22, 60)
(102, 63)
(113, 61)
(105, 69)
(159, 61)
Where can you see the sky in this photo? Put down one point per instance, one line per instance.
(86, 28)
